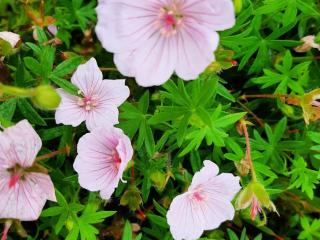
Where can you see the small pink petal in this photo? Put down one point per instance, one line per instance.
(20, 144)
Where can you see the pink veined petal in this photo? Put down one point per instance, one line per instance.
(214, 211)
(88, 77)
(102, 116)
(22, 144)
(222, 16)
(114, 92)
(184, 223)
(69, 112)
(125, 25)
(125, 151)
(196, 45)
(209, 171)
(25, 200)
(95, 173)
(225, 184)
(44, 183)
(158, 58)
(107, 192)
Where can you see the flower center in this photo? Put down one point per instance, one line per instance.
(16, 175)
(198, 195)
(170, 19)
(88, 102)
(116, 159)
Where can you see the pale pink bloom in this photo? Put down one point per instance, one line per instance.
(23, 190)
(98, 100)
(308, 44)
(205, 205)
(103, 155)
(10, 37)
(152, 39)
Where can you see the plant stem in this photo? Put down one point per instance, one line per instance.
(52, 154)
(248, 150)
(108, 69)
(265, 96)
(16, 91)
(259, 121)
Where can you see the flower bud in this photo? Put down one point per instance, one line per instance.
(243, 167)
(238, 4)
(45, 97)
(131, 198)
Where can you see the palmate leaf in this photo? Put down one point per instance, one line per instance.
(274, 149)
(135, 122)
(303, 177)
(287, 77)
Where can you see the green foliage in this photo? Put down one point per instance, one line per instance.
(174, 127)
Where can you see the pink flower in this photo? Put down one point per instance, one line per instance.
(152, 39)
(205, 205)
(103, 155)
(98, 100)
(24, 189)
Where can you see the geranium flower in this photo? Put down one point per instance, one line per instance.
(103, 155)
(205, 205)
(10, 37)
(24, 186)
(98, 100)
(152, 39)
(308, 44)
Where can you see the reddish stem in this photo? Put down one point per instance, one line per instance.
(65, 150)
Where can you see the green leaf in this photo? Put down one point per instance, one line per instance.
(30, 113)
(66, 67)
(127, 232)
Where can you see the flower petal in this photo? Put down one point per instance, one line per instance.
(102, 116)
(26, 199)
(22, 145)
(196, 45)
(125, 25)
(69, 112)
(114, 92)
(223, 15)
(184, 223)
(88, 77)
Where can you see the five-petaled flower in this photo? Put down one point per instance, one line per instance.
(24, 186)
(152, 39)
(103, 155)
(205, 205)
(98, 100)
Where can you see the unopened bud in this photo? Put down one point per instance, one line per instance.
(45, 97)
(131, 198)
